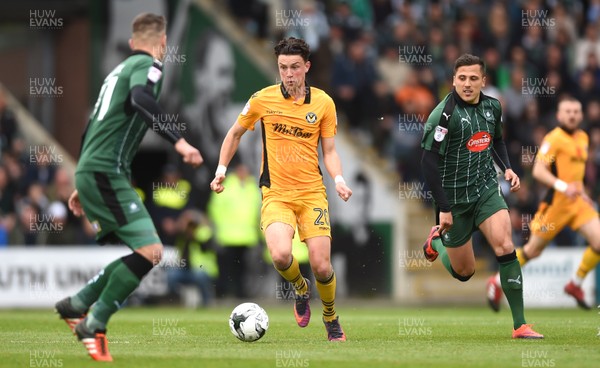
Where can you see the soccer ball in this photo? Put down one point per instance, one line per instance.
(248, 322)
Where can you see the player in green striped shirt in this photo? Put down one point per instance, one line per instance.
(461, 142)
(126, 108)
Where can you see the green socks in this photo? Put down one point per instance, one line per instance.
(108, 290)
(84, 299)
(121, 283)
(512, 285)
(511, 279)
(439, 247)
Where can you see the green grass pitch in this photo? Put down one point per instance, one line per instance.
(377, 337)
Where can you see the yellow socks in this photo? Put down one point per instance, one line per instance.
(521, 256)
(589, 261)
(327, 293)
(293, 275)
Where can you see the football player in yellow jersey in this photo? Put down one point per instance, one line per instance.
(293, 118)
(560, 165)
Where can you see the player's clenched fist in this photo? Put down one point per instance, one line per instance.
(341, 188)
(75, 204)
(190, 154)
(217, 183)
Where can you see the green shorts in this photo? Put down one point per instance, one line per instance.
(115, 210)
(467, 217)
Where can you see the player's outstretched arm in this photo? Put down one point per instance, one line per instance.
(228, 149)
(142, 100)
(334, 167)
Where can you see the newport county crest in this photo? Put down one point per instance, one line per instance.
(311, 117)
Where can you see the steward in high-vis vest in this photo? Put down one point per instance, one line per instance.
(197, 263)
(235, 214)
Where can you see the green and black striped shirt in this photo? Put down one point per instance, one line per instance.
(465, 147)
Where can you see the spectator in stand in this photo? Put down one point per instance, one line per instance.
(435, 44)
(587, 88)
(350, 24)
(59, 192)
(590, 43)
(36, 193)
(436, 17)
(415, 102)
(592, 115)
(398, 35)
(593, 11)
(392, 70)
(381, 10)
(7, 206)
(28, 228)
(498, 32)
(8, 124)
(555, 60)
(466, 33)
(593, 67)
(414, 98)
(41, 165)
(354, 86)
(550, 94)
(251, 15)
(518, 60)
(564, 24)
(516, 100)
(533, 45)
(57, 230)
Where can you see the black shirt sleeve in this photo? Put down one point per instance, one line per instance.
(500, 154)
(431, 173)
(142, 100)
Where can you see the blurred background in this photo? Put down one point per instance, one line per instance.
(386, 63)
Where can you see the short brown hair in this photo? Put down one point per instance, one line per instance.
(293, 46)
(567, 98)
(147, 24)
(467, 60)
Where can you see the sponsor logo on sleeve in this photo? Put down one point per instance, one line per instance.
(440, 133)
(154, 74)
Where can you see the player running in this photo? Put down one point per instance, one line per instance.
(462, 139)
(294, 117)
(125, 109)
(560, 165)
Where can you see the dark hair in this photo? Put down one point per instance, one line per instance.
(467, 60)
(293, 46)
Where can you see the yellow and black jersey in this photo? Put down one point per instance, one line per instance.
(565, 154)
(291, 131)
